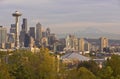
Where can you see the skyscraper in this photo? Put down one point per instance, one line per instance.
(22, 38)
(23, 32)
(51, 39)
(11, 38)
(24, 25)
(47, 32)
(87, 46)
(44, 41)
(32, 32)
(26, 40)
(72, 43)
(3, 36)
(13, 28)
(44, 34)
(38, 32)
(103, 43)
(32, 42)
(81, 45)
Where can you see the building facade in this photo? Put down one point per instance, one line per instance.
(32, 32)
(3, 37)
(48, 32)
(103, 43)
(71, 43)
(23, 32)
(81, 45)
(13, 28)
(38, 32)
(24, 25)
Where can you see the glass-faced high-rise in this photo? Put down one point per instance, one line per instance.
(32, 32)
(38, 32)
(24, 25)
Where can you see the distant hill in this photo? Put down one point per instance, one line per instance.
(96, 41)
(93, 33)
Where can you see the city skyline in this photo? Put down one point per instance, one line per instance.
(63, 15)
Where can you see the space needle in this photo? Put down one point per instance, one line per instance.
(17, 15)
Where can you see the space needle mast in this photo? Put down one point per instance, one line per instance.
(17, 15)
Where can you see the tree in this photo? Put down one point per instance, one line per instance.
(84, 73)
(114, 63)
(19, 66)
(81, 73)
(47, 67)
(4, 72)
(106, 73)
(90, 65)
(28, 65)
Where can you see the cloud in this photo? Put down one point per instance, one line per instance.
(63, 13)
(23, 1)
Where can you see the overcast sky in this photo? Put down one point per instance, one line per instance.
(64, 16)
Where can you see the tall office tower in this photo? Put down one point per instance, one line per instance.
(22, 38)
(3, 37)
(87, 46)
(23, 32)
(72, 43)
(11, 38)
(27, 40)
(47, 32)
(38, 32)
(44, 34)
(24, 25)
(32, 32)
(10, 41)
(51, 39)
(81, 45)
(32, 42)
(44, 41)
(13, 28)
(17, 15)
(103, 43)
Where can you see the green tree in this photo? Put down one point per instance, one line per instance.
(84, 73)
(4, 72)
(47, 67)
(90, 65)
(106, 73)
(28, 65)
(19, 65)
(114, 63)
(81, 73)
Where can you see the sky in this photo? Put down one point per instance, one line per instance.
(64, 16)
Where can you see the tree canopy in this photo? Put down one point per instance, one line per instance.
(22, 64)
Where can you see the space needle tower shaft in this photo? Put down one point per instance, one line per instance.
(17, 15)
